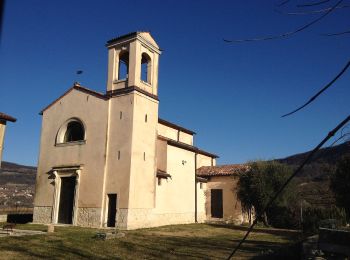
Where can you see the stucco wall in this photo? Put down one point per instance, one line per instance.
(92, 111)
(167, 132)
(2, 135)
(143, 158)
(204, 160)
(232, 211)
(162, 155)
(185, 138)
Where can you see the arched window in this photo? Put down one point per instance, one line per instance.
(75, 132)
(72, 130)
(146, 68)
(123, 70)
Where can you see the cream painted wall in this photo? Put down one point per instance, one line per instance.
(204, 160)
(167, 132)
(2, 136)
(92, 112)
(201, 198)
(232, 210)
(176, 195)
(119, 148)
(185, 138)
(162, 155)
(143, 158)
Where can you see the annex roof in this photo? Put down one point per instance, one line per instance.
(222, 170)
(6, 117)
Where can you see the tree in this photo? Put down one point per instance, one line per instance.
(259, 183)
(340, 184)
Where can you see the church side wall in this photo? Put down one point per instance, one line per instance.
(175, 196)
(92, 112)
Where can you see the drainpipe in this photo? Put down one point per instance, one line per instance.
(195, 188)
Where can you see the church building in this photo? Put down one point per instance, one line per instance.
(107, 159)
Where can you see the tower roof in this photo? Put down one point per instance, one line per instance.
(143, 34)
(5, 117)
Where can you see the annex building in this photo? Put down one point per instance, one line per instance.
(107, 159)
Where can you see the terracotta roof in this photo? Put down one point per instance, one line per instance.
(186, 146)
(177, 127)
(5, 117)
(222, 170)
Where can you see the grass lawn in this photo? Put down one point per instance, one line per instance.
(193, 241)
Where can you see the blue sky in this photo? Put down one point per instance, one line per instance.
(232, 95)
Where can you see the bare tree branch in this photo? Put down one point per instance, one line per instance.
(313, 4)
(282, 3)
(342, 135)
(311, 12)
(336, 34)
(287, 34)
(321, 91)
(295, 173)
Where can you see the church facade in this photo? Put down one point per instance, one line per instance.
(107, 159)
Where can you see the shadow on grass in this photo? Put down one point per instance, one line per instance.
(277, 232)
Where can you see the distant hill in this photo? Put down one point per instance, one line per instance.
(313, 181)
(329, 155)
(17, 184)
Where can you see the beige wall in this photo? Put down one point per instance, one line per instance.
(2, 136)
(176, 195)
(92, 112)
(167, 132)
(185, 138)
(162, 155)
(174, 134)
(143, 158)
(204, 160)
(232, 210)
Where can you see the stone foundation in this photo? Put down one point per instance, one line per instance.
(42, 214)
(88, 217)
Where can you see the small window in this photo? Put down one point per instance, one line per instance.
(146, 68)
(146, 118)
(159, 181)
(201, 185)
(74, 132)
(123, 70)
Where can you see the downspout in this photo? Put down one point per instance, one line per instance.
(195, 188)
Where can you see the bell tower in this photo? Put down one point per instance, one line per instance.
(133, 63)
(132, 88)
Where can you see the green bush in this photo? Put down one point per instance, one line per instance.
(314, 217)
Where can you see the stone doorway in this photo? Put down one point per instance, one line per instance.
(112, 210)
(66, 204)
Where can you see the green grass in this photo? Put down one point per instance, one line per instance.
(193, 241)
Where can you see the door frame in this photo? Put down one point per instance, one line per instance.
(60, 173)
